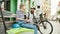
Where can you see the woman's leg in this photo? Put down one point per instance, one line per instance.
(15, 26)
(30, 26)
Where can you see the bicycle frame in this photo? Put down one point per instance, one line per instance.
(40, 21)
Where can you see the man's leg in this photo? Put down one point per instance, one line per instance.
(35, 29)
(30, 26)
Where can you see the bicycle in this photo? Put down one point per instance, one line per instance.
(44, 22)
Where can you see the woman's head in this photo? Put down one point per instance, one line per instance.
(22, 7)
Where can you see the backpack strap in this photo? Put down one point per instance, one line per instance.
(28, 15)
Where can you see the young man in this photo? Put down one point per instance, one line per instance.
(21, 22)
(31, 15)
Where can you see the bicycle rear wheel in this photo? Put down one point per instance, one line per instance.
(47, 28)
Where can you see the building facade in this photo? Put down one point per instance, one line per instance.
(46, 7)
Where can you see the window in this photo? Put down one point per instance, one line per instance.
(7, 5)
(0, 2)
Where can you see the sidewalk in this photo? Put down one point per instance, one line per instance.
(56, 26)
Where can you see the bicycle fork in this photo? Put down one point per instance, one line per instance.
(38, 26)
(44, 26)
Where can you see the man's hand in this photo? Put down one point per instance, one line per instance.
(27, 20)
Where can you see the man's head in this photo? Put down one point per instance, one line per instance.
(22, 7)
(32, 10)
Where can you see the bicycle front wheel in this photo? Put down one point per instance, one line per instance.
(45, 27)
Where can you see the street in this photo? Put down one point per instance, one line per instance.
(56, 27)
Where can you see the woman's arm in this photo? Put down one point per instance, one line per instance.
(19, 19)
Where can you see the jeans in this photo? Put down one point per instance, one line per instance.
(25, 25)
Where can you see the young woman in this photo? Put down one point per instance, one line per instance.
(21, 21)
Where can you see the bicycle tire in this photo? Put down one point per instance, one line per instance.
(50, 25)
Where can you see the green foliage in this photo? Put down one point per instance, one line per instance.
(58, 12)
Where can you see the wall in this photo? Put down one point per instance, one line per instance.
(18, 3)
(54, 6)
(13, 5)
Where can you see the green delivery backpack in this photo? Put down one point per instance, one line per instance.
(20, 31)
